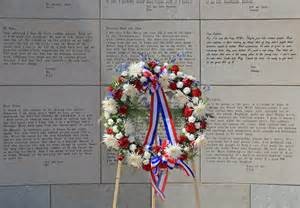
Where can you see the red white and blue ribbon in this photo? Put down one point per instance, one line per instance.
(159, 105)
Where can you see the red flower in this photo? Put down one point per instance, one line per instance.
(123, 142)
(120, 157)
(174, 69)
(203, 124)
(196, 92)
(187, 112)
(140, 150)
(117, 94)
(147, 167)
(121, 79)
(156, 148)
(183, 157)
(152, 64)
(138, 85)
(190, 127)
(109, 88)
(187, 82)
(181, 139)
(123, 109)
(163, 165)
(109, 131)
(172, 86)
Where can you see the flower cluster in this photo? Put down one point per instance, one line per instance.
(133, 84)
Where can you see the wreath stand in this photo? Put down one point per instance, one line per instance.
(153, 203)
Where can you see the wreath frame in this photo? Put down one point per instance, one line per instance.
(122, 102)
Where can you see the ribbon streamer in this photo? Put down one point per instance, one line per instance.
(160, 163)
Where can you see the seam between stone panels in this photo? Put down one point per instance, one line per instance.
(245, 19)
(250, 195)
(48, 18)
(250, 85)
(50, 196)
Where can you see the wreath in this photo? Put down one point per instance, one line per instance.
(148, 89)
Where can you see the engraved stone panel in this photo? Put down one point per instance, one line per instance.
(122, 41)
(49, 52)
(253, 137)
(250, 52)
(274, 196)
(49, 134)
(163, 9)
(79, 196)
(244, 9)
(50, 8)
(211, 196)
(24, 197)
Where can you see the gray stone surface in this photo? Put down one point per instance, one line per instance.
(25, 197)
(99, 196)
(211, 196)
(242, 63)
(50, 8)
(255, 9)
(122, 41)
(150, 9)
(267, 149)
(22, 166)
(275, 196)
(65, 52)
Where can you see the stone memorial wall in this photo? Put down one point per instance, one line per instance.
(57, 56)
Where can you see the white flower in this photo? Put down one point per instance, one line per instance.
(146, 162)
(135, 69)
(201, 140)
(191, 137)
(143, 79)
(164, 81)
(157, 69)
(129, 128)
(199, 109)
(197, 125)
(192, 119)
(189, 104)
(179, 84)
(124, 73)
(180, 74)
(130, 90)
(132, 147)
(183, 130)
(110, 141)
(110, 122)
(147, 155)
(187, 90)
(135, 160)
(106, 115)
(131, 139)
(124, 97)
(186, 149)
(166, 64)
(119, 135)
(173, 151)
(195, 100)
(172, 76)
(105, 125)
(119, 120)
(190, 77)
(115, 129)
(180, 98)
(110, 106)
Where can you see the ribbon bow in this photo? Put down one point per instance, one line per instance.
(160, 163)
